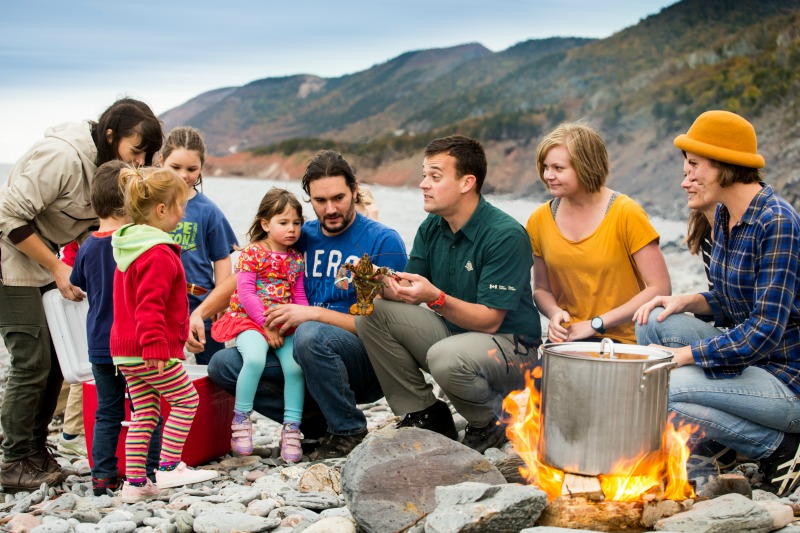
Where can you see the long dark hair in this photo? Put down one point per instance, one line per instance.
(127, 117)
(698, 229)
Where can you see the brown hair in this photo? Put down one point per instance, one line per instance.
(106, 196)
(146, 188)
(730, 174)
(587, 153)
(698, 229)
(187, 138)
(327, 164)
(468, 153)
(273, 203)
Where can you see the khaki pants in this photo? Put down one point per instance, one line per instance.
(70, 402)
(475, 370)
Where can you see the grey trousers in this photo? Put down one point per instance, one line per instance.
(475, 370)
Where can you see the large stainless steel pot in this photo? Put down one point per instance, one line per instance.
(601, 402)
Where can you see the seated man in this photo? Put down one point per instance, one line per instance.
(471, 264)
(336, 367)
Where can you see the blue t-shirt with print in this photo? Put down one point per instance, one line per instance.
(324, 255)
(205, 236)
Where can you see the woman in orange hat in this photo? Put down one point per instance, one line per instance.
(741, 386)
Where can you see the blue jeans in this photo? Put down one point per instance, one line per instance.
(224, 369)
(338, 374)
(111, 392)
(748, 413)
(212, 347)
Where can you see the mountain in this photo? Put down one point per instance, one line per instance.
(640, 87)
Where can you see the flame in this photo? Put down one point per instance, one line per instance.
(630, 479)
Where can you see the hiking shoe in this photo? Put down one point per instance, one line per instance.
(492, 435)
(291, 449)
(101, 485)
(711, 457)
(182, 475)
(435, 418)
(332, 446)
(44, 460)
(76, 446)
(132, 493)
(242, 437)
(782, 468)
(25, 475)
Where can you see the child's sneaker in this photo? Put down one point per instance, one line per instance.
(242, 437)
(132, 493)
(183, 475)
(100, 485)
(291, 450)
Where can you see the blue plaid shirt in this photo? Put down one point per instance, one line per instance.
(755, 272)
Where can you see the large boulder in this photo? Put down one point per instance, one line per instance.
(389, 481)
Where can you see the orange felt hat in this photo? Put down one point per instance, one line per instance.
(722, 136)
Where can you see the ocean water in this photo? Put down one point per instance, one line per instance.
(399, 207)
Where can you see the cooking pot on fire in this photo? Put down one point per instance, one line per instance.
(601, 402)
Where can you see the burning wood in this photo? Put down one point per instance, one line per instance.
(661, 474)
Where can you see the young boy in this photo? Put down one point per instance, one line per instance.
(94, 273)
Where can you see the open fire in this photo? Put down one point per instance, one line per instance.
(661, 474)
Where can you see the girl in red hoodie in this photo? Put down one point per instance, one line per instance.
(151, 324)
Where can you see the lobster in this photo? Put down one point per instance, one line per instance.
(367, 282)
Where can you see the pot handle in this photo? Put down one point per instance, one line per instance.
(669, 365)
(608, 342)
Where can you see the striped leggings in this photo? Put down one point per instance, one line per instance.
(146, 388)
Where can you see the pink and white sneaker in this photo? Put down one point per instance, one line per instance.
(291, 450)
(132, 494)
(183, 475)
(242, 437)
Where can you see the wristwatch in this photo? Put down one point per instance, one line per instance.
(597, 325)
(438, 303)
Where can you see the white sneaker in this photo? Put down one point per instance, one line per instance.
(76, 446)
(182, 475)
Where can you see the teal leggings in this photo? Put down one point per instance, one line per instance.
(253, 347)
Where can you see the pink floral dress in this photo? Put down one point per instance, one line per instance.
(276, 277)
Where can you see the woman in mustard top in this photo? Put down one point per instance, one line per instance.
(596, 255)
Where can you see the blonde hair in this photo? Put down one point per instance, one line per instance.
(146, 188)
(587, 153)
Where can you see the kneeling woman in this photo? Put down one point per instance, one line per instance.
(740, 386)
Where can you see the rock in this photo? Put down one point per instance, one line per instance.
(261, 507)
(184, 522)
(320, 478)
(730, 513)
(253, 475)
(733, 483)
(238, 462)
(65, 502)
(89, 528)
(227, 522)
(51, 524)
(311, 500)
(782, 514)
(123, 526)
(283, 512)
(509, 467)
(389, 480)
(87, 516)
(332, 524)
(22, 523)
(473, 506)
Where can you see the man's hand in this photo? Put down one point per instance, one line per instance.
(61, 272)
(411, 288)
(196, 342)
(288, 315)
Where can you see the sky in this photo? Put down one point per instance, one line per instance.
(69, 60)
